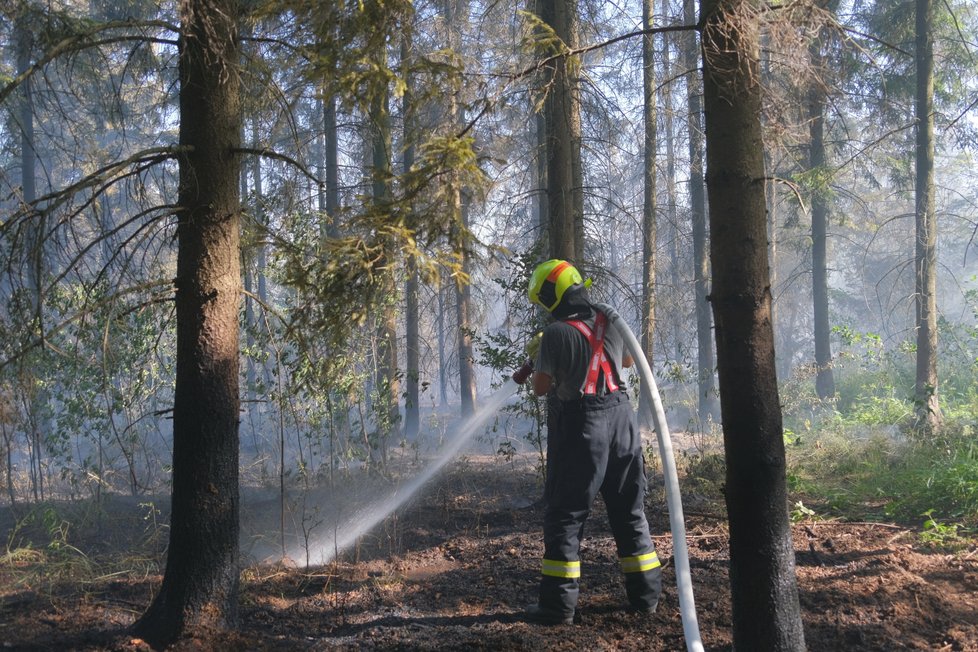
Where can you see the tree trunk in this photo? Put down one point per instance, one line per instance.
(766, 611)
(925, 393)
(247, 280)
(678, 327)
(412, 346)
(261, 255)
(442, 352)
(254, 265)
(649, 226)
(771, 202)
(565, 191)
(708, 409)
(460, 209)
(8, 451)
(824, 379)
(387, 385)
(412, 334)
(463, 314)
(34, 255)
(200, 586)
(542, 205)
(331, 190)
(28, 162)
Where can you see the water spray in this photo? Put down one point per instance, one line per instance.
(322, 548)
(684, 583)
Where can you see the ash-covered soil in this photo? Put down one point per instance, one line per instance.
(455, 568)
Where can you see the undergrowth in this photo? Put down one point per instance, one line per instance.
(859, 456)
(858, 469)
(53, 543)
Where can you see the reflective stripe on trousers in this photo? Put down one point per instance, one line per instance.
(557, 568)
(594, 447)
(640, 564)
(572, 569)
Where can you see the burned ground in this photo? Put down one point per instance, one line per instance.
(455, 568)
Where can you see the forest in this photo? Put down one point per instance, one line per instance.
(263, 286)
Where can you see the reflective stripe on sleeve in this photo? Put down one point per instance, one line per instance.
(569, 569)
(641, 563)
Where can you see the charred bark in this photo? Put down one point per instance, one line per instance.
(766, 611)
(200, 586)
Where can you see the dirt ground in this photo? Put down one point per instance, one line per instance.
(456, 567)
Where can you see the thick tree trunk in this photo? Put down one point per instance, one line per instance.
(766, 611)
(824, 379)
(925, 394)
(565, 190)
(708, 407)
(649, 226)
(200, 586)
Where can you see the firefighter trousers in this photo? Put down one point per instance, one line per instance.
(594, 446)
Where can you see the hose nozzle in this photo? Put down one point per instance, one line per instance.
(521, 374)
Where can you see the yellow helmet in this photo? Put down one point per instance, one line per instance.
(550, 280)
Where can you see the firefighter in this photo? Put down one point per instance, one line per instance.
(593, 445)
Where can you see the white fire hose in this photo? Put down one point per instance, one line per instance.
(684, 584)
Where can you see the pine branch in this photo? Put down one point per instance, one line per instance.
(82, 41)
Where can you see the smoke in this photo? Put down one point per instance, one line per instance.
(320, 545)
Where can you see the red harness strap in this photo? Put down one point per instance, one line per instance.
(599, 362)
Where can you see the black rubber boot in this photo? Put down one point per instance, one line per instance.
(642, 609)
(537, 614)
